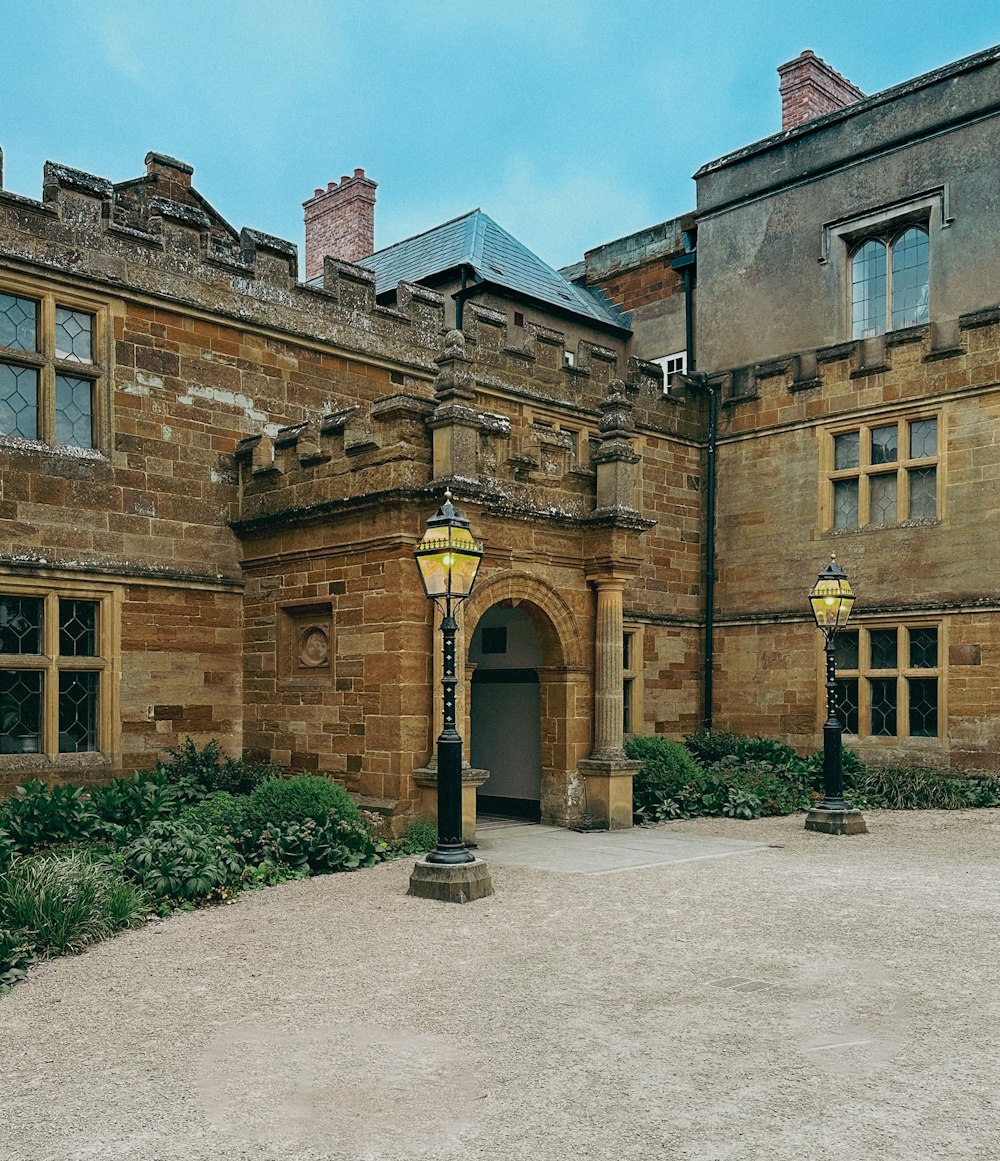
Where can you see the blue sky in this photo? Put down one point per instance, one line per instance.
(571, 122)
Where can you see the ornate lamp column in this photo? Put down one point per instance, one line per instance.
(832, 599)
(448, 559)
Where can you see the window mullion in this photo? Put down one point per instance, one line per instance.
(50, 693)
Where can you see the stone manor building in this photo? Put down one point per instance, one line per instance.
(214, 474)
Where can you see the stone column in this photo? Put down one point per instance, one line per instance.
(609, 738)
(607, 773)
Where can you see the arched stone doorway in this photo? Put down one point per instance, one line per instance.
(505, 712)
(554, 704)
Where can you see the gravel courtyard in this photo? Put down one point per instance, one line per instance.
(819, 998)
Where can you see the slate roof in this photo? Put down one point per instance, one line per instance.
(476, 241)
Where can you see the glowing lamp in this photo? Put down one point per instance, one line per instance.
(448, 557)
(832, 598)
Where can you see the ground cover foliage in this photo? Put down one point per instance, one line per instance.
(78, 865)
(715, 772)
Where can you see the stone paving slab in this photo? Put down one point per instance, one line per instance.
(551, 848)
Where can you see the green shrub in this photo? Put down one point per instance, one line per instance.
(16, 955)
(665, 780)
(180, 862)
(850, 762)
(221, 813)
(671, 784)
(319, 845)
(61, 903)
(284, 800)
(776, 789)
(710, 747)
(419, 835)
(37, 817)
(918, 788)
(208, 770)
(133, 803)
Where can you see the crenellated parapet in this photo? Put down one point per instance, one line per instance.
(156, 235)
(404, 443)
(899, 367)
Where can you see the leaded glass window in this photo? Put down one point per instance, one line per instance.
(78, 628)
(20, 625)
(74, 411)
(54, 673)
(882, 501)
(50, 372)
(18, 401)
(846, 449)
(20, 711)
(923, 648)
(890, 283)
(909, 278)
(888, 681)
(18, 323)
(885, 445)
(845, 504)
(847, 690)
(74, 335)
(77, 711)
(882, 644)
(868, 284)
(923, 694)
(883, 706)
(881, 474)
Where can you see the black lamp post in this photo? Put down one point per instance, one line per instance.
(448, 558)
(832, 600)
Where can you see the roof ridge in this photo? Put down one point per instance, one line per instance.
(420, 234)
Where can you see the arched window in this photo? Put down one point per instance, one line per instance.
(889, 283)
(909, 278)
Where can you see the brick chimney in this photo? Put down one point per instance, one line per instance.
(809, 88)
(340, 222)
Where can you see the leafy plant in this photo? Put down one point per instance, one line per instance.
(37, 817)
(222, 813)
(320, 846)
(207, 770)
(284, 800)
(710, 747)
(777, 789)
(16, 955)
(419, 835)
(181, 862)
(919, 788)
(667, 773)
(133, 803)
(61, 903)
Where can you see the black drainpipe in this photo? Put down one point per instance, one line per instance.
(462, 294)
(686, 265)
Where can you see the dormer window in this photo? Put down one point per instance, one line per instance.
(889, 282)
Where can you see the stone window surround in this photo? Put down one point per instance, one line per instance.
(903, 672)
(839, 239)
(828, 474)
(44, 360)
(106, 661)
(632, 678)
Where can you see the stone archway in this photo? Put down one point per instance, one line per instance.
(562, 690)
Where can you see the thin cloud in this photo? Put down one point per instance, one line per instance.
(119, 53)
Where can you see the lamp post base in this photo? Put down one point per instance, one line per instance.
(836, 821)
(451, 882)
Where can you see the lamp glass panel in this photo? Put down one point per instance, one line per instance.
(448, 559)
(832, 601)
